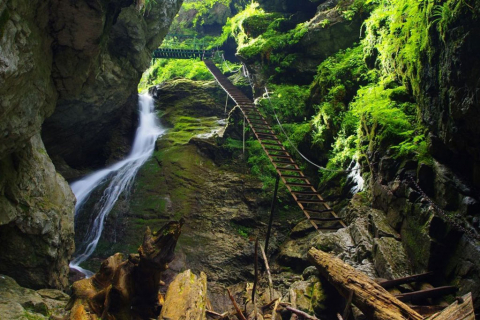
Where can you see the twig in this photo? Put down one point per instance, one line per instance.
(216, 314)
(268, 305)
(348, 307)
(301, 313)
(239, 312)
(274, 312)
(256, 279)
(270, 283)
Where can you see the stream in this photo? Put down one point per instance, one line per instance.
(117, 178)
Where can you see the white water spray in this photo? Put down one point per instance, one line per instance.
(121, 175)
(356, 177)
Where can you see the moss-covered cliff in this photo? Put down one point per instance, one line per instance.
(396, 95)
(83, 59)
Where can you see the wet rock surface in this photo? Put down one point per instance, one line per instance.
(36, 219)
(83, 58)
(192, 176)
(17, 302)
(100, 55)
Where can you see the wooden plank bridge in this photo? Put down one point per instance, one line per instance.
(167, 53)
(316, 210)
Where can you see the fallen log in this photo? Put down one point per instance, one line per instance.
(373, 300)
(127, 289)
(462, 309)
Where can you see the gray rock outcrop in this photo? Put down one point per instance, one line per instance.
(82, 59)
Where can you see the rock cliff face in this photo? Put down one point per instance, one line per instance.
(437, 216)
(449, 95)
(82, 59)
(100, 53)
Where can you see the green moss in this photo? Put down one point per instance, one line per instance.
(416, 241)
(166, 69)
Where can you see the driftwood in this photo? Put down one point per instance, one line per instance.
(462, 309)
(373, 300)
(127, 289)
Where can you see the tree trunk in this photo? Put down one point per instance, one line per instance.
(127, 289)
(459, 310)
(373, 300)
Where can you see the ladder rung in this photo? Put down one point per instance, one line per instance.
(278, 150)
(253, 121)
(268, 138)
(264, 126)
(289, 169)
(320, 211)
(306, 193)
(326, 219)
(280, 161)
(278, 156)
(309, 201)
(264, 129)
(273, 144)
(427, 293)
(329, 228)
(303, 185)
(268, 134)
(293, 177)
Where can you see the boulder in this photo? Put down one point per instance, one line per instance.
(36, 219)
(17, 302)
(186, 297)
(308, 295)
(391, 261)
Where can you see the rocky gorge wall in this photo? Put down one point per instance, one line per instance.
(431, 203)
(78, 62)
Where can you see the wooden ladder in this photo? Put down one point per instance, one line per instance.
(317, 211)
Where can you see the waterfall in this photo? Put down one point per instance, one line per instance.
(355, 177)
(118, 178)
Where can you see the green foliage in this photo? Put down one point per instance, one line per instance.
(202, 8)
(400, 32)
(381, 117)
(337, 80)
(166, 69)
(234, 26)
(288, 101)
(325, 23)
(232, 144)
(242, 230)
(148, 5)
(260, 165)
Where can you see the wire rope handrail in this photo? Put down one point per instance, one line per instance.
(302, 191)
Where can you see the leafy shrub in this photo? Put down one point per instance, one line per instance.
(165, 69)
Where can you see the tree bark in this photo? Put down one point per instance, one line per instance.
(373, 300)
(127, 289)
(459, 310)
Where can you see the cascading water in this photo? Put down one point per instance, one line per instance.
(118, 178)
(355, 177)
